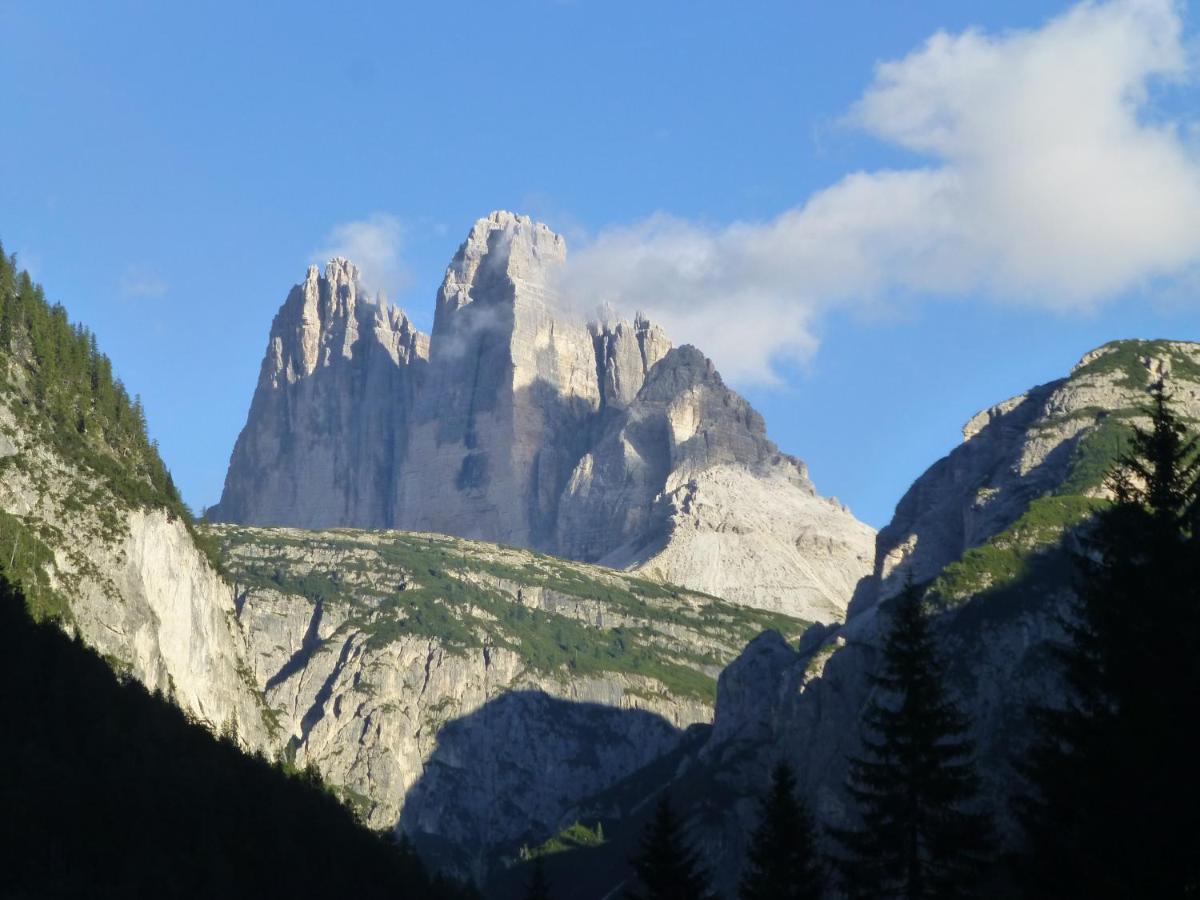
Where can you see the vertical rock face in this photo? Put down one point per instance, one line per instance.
(135, 587)
(337, 364)
(684, 483)
(625, 354)
(519, 424)
(510, 392)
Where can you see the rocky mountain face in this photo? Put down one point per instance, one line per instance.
(991, 530)
(337, 362)
(467, 693)
(1057, 439)
(515, 423)
(127, 578)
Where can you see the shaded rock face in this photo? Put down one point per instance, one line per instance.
(510, 394)
(683, 483)
(525, 757)
(514, 423)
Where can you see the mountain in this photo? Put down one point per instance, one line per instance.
(471, 693)
(337, 363)
(1030, 455)
(464, 693)
(92, 527)
(514, 422)
(990, 531)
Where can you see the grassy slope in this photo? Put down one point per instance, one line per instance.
(464, 593)
(1024, 549)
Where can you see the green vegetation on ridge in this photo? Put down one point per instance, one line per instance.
(1125, 357)
(1007, 556)
(61, 390)
(462, 595)
(58, 381)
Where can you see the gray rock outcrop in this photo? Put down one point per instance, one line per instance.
(517, 423)
(133, 583)
(467, 693)
(1027, 447)
(1046, 450)
(337, 362)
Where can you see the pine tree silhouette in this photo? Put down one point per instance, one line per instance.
(1110, 809)
(914, 784)
(539, 885)
(781, 863)
(666, 867)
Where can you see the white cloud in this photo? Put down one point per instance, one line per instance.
(139, 282)
(373, 244)
(1048, 182)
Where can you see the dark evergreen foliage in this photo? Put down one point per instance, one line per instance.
(781, 863)
(1111, 806)
(666, 867)
(914, 783)
(539, 885)
(59, 376)
(108, 791)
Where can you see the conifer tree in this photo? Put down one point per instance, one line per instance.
(539, 885)
(914, 783)
(781, 863)
(1110, 806)
(666, 867)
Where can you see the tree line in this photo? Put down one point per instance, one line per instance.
(1106, 799)
(65, 387)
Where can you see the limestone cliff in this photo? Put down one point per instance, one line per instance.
(684, 484)
(514, 422)
(511, 389)
(126, 577)
(337, 362)
(470, 693)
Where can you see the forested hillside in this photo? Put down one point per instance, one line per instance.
(61, 389)
(110, 791)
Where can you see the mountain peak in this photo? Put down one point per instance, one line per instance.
(505, 260)
(517, 423)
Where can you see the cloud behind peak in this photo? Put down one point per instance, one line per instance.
(1050, 178)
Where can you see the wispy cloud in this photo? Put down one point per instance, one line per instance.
(1051, 179)
(373, 244)
(140, 282)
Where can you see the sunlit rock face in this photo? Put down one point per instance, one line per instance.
(519, 423)
(1055, 438)
(134, 585)
(990, 532)
(327, 427)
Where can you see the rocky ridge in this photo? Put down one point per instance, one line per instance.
(1057, 439)
(514, 422)
(990, 530)
(469, 692)
(340, 361)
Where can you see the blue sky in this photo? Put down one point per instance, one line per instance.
(167, 171)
